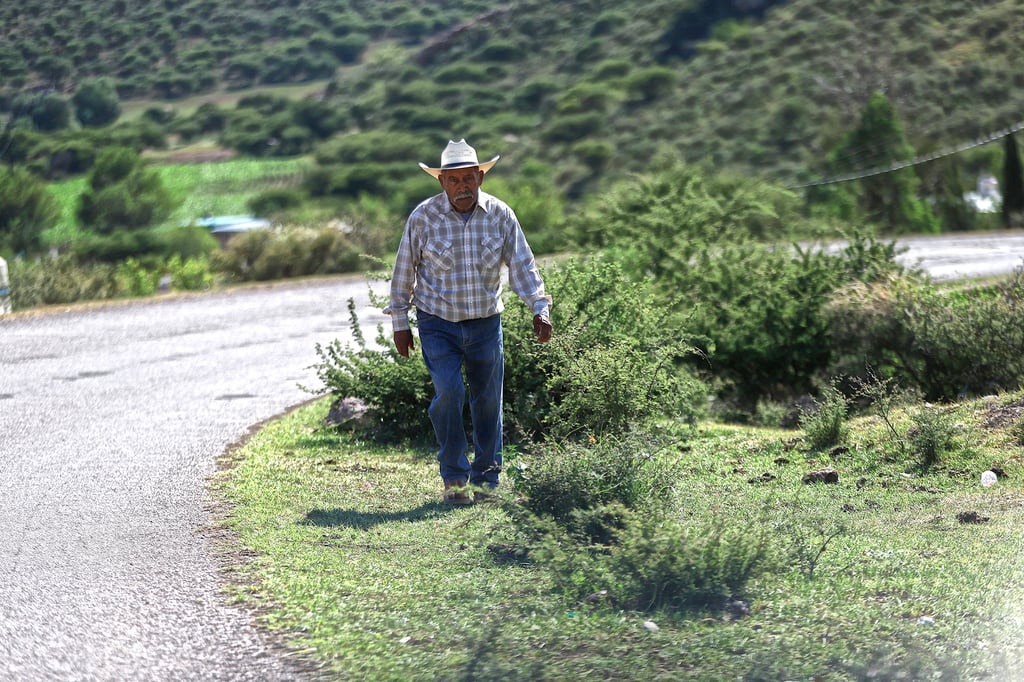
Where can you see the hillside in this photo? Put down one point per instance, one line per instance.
(594, 88)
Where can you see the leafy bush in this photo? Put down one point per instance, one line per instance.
(65, 279)
(712, 246)
(609, 388)
(396, 390)
(288, 252)
(123, 194)
(598, 314)
(25, 209)
(275, 200)
(944, 341)
(602, 315)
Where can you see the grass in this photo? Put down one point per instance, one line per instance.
(225, 188)
(220, 188)
(357, 563)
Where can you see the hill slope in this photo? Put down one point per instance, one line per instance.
(594, 88)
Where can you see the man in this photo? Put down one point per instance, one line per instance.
(449, 266)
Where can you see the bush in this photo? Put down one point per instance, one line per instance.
(714, 247)
(64, 279)
(123, 194)
(933, 434)
(634, 470)
(26, 209)
(289, 252)
(947, 342)
(274, 201)
(612, 387)
(96, 102)
(597, 309)
(825, 423)
(656, 562)
(573, 127)
(601, 314)
(396, 390)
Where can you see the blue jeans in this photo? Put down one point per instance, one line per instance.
(447, 348)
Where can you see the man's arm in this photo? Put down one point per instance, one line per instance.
(525, 280)
(402, 281)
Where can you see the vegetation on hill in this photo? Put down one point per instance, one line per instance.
(593, 88)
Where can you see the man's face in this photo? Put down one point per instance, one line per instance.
(462, 185)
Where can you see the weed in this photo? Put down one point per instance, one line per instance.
(825, 423)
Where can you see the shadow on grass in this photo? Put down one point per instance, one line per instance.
(351, 518)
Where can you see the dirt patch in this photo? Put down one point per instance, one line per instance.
(1001, 416)
(188, 156)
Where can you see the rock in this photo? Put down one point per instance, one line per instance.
(737, 609)
(351, 411)
(971, 517)
(826, 475)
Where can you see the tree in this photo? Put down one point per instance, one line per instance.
(26, 209)
(887, 198)
(1013, 182)
(96, 103)
(123, 194)
(52, 113)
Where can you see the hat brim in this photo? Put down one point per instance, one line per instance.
(436, 172)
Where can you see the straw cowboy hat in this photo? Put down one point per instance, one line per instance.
(459, 155)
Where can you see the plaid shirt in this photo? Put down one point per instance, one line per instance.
(451, 268)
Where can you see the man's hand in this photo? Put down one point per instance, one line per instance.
(403, 342)
(542, 328)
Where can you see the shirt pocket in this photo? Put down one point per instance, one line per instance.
(490, 253)
(439, 253)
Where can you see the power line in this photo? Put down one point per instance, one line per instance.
(900, 165)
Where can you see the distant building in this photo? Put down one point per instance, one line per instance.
(987, 198)
(227, 226)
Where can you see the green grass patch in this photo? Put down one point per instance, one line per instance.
(216, 188)
(356, 561)
(225, 188)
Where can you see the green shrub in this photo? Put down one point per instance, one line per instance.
(596, 309)
(713, 247)
(634, 470)
(658, 562)
(274, 201)
(396, 390)
(612, 387)
(946, 342)
(573, 127)
(66, 279)
(933, 434)
(289, 252)
(191, 274)
(26, 207)
(825, 423)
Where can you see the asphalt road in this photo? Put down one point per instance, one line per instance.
(111, 421)
(965, 255)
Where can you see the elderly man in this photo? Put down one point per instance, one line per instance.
(449, 266)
